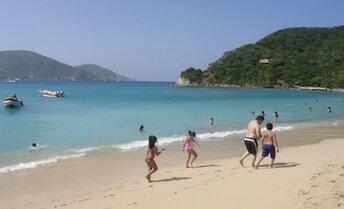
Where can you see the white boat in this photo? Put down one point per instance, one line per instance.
(12, 102)
(47, 93)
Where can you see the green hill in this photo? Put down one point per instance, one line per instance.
(294, 56)
(102, 72)
(20, 64)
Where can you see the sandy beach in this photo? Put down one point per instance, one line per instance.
(309, 173)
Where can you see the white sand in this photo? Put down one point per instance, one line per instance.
(309, 176)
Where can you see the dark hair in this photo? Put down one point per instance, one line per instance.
(34, 144)
(189, 132)
(141, 127)
(193, 134)
(260, 117)
(152, 140)
(269, 126)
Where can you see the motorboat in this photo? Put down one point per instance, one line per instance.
(47, 93)
(12, 102)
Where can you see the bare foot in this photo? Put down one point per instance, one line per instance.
(241, 163)
(148, 179)
(256, 167)
(187, 166)
(253, 166)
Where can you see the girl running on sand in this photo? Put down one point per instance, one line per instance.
(188, 146)
(151, 153)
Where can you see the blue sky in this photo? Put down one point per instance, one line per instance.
(152, 40)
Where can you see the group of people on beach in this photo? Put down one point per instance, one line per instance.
(253, 135)
(153, 151)
(269, 142)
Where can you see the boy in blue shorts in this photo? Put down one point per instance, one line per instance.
(270, 145)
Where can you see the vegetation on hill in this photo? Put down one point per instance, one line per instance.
(294, 56)
(20, 64)
(102, 72)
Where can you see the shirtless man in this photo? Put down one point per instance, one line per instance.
(252, 135)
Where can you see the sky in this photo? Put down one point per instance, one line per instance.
(152, 40)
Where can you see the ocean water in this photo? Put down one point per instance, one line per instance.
(107, 115)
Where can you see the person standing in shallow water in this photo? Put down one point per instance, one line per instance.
(211, 121)
(252, 136)
(141, 129)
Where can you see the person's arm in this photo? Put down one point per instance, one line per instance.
(186, 141)
(258, 132)
(157, 153)
(275, 141)
(195, 141)
(264, 136)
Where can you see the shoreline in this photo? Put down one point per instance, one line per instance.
(94, 173)
(228, 139)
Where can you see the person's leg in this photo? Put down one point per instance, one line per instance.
(150, 166)
(188, 160)
(253, 161)
(195, 156)
(245, 155)
(154, 168)
(272, 162)
(260, 160)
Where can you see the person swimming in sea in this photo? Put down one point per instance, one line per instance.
(36, 147)
(211, 121)
(141, 129)
(329, 109)
(275, 115)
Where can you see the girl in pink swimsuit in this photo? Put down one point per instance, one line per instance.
(188, 147)
(151, 153)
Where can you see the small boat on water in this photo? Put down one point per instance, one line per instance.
(47, 93)
(12, 102)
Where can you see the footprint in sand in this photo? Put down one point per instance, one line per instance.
(303, 192)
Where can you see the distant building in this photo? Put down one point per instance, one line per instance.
(264, 61)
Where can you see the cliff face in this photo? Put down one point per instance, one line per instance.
(289, 57)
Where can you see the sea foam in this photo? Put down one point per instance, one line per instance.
(35, 164)
(201, 137)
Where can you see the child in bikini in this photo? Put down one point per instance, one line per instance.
(151, 153)
(188, 147)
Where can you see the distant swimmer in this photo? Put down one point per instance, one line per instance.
(262, 113)
(141, 129)
(329, 109)
(316, 100)
(305, 103)
(275, 115)
(310, 109)
(35, 147)
(211, 121)
(251, 112)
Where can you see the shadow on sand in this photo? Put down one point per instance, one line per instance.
(206, 166)
(282, 165)
(172, 179)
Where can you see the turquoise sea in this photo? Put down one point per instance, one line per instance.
(107, 115)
